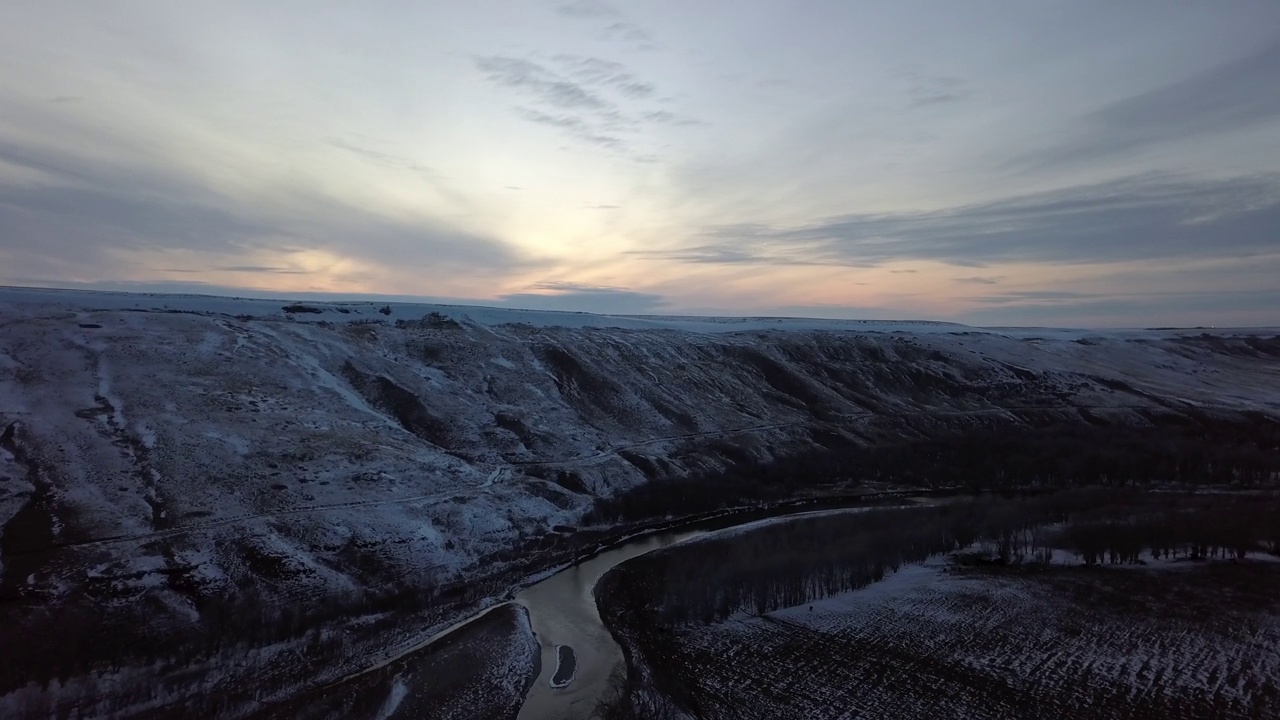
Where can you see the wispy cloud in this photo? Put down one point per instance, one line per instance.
(728, 254)
(926, 90)
(978, 280)
(607, 73)
(540, 82)
(619, 30)
(385, 159)
(255, 269)
(590, 98)
(1223, 99)
(626, 32)
(1038, 296)
(1138, 218)
(87, 212)
(1183, 309)
(669, 118)
(587, 9)
(578, 127)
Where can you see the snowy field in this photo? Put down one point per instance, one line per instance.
(936, 641)
(481, 673)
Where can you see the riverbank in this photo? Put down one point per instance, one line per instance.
(480, 671)
(1085, 605)
(606, 548)
(1202, 640)
(538, 588)
(593, 554)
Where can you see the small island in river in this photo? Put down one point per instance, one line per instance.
(566, 667)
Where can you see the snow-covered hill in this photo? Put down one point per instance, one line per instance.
(179, 446)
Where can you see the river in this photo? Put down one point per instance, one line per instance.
(562, 611)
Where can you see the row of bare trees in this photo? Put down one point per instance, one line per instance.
(1183, 450)
(793, 562)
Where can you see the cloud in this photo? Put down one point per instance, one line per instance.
(79, 219)
(1138, 218)
(1252, 307)
(729, 254)
(579, 297)
(599, 72)
(544, 84)
(375, 156)
(618, 31)
(1223, 99)
(81, 226)
(626, 32)
(251, 269)
(587, 9)
(832, 312)
(636, 89)
(978, 280)
(576, 126)
(925, 90)
(669, 118)
(1037, 296)
(590, 98)
(397, 162)
(384, 159)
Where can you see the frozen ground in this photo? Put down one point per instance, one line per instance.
(159, 452)
(297, 437)
(933, 641)
(479, 673)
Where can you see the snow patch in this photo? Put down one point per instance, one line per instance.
(397, 695)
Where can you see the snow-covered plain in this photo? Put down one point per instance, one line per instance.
(934, 641)
(481, 674)
(180, 447)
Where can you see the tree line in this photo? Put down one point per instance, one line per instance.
(793, 562)
(1186, 450)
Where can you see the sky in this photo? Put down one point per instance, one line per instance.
(1013, 162)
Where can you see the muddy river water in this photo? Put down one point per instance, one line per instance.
(562, 611)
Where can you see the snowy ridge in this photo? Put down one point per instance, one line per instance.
(185, 445)
(24, 299)
(365, 311)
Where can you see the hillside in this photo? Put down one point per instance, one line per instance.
(164, 454)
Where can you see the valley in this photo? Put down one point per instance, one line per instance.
(222, 506)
